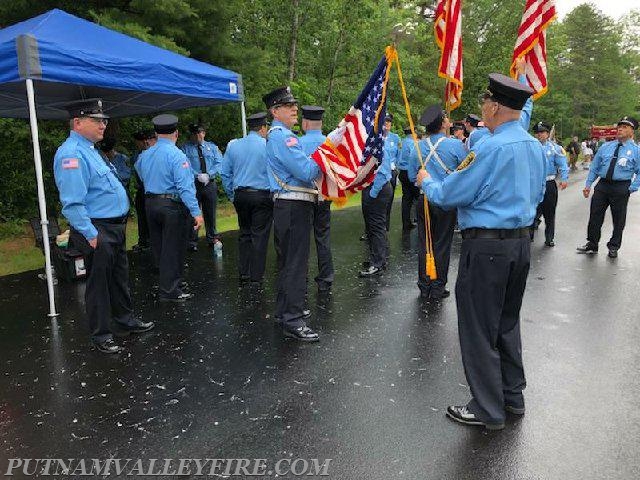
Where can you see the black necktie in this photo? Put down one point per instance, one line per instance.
(612, 163)
(203, 162)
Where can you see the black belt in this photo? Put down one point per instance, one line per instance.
(170, 196)
(496, 233)
(254, 190)
(615, 182)
(113, 220)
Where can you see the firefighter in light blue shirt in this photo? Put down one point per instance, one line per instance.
(617, 164)
(246, 182)
(291, 176)
(310, 141)
(555, 163)
(96, 205)
(496, 190)
(205, 160)
(441, 156)
(170, 200)
(474, 130)
(392, 150)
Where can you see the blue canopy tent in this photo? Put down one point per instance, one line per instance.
(55, 58)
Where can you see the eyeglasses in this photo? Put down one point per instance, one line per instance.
(104, 121)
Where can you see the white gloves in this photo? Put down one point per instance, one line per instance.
(203, 178)
(336, 135)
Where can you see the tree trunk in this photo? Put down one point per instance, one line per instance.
(334, 65)
(295, 24)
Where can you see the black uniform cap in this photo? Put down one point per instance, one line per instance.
(165, 123)
(474, 120)
(257, 120)
(541, 127)
(195, 128)
(312, 112)
(279, 96)
(388, 117)
(86, 108)
(506, 91)
(149, 134)
(626, 120)
(457, 126)
(432, 118)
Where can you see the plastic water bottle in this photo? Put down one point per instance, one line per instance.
(217, 249)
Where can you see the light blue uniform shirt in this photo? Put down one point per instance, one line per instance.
(450, 150)
(121, 162)
(405, 153)
(88, 187)
(245, 164)
(211, 153)
(164, 169)
(287, 159)
(311, 140)
(475, 136)
(501, 188)
(383, 175)
(556, 161)
(627, 166)
(391, 149)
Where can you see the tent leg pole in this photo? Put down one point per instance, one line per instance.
(243, 112)
(41, 199)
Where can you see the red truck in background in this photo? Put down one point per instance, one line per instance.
(604, 132)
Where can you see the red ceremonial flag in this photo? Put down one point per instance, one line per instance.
(531, 43)
(350, 155)
(448, 33)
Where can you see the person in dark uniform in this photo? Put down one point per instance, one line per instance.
(291, 176)
(410, 192)
(375, 203)
(310, 141)
(616, 164)
(555, 162)
(441, 156)
(205, 159)
(245, 180)
(393, 150)
(96, 205)
(170, 199)
(119, 160)
(494, 262)
(141, 139)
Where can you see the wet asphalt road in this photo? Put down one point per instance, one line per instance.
(216, 380)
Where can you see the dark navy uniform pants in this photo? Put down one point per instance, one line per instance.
(292, 232)
(107, 295)
(443, 223)
(167, 219)
(322, 235)
(491, 280)
(207, 196)
(375, 221)
(255, 216)
(614, 194)
(393, 182)
(547, 209)
(410, 194)
(141, 214)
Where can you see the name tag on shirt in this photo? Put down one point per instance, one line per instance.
(69, 163)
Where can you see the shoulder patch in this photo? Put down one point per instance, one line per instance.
(185, 164)
(468, 160)
(291, 141)
(70, 163)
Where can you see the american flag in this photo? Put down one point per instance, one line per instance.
(531, 43)
(351, 153)
(448, 33)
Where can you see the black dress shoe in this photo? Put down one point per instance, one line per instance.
(613, 253)
(461, 414)
(140, 327)
(370, 272)
(183, 297)
(108, 346)
(550, 243)
(588, 248)
(303, 334)
(514, 410)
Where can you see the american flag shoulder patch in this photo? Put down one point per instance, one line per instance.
(185, 164)
(291, 141)
(70, 163)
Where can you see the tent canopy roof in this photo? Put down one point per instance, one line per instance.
(69, 58)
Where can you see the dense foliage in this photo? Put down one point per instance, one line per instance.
(326, 49)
